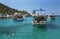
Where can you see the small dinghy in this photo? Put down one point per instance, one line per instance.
(18, 16)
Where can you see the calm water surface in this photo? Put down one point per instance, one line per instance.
(25, 29)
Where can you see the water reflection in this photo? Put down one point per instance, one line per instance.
(50, 21)
(38, 31)
(52, 26)
(43, 27)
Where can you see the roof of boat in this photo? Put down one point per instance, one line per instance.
(17, 14)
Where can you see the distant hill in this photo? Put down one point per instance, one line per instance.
(5, 9)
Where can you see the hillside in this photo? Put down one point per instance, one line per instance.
(5, 9)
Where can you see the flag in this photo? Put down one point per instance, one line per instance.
(42, 9)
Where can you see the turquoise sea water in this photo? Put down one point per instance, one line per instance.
(25, 29)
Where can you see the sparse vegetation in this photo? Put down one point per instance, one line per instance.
(5, 9)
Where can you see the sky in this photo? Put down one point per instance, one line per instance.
(51, 6)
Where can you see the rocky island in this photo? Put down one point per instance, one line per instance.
(4, 9)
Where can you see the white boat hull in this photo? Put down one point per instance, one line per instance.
(41, 23)
(19, 19)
